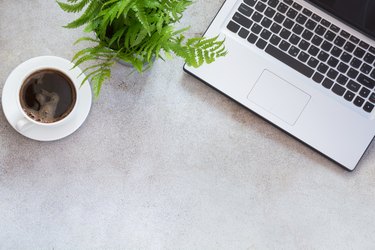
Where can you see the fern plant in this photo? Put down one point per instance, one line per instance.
(137, 32)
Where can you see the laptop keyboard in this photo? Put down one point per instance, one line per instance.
(311, 45)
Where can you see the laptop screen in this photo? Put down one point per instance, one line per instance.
(358, 13)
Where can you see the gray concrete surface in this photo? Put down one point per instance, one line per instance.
(165, 162)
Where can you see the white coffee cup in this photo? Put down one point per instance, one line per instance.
(25, 122)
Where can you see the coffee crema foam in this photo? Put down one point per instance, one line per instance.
(47, 96)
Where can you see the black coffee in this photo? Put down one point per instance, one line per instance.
(47, 95)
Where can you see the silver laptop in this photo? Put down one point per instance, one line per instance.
(305, 66)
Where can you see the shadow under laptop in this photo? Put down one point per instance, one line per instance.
(249, 120)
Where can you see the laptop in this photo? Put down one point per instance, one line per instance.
(305, 66)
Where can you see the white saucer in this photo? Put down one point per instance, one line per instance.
(10, 95)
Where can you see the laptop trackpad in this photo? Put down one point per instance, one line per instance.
(279, 97)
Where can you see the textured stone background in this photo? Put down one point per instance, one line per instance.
(165, 162)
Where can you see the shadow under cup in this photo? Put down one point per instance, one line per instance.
(47, 96)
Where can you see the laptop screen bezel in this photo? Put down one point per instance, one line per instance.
(347, 22)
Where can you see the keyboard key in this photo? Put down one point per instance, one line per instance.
(256, 28)
(303, 56)
(332, 74)
(344, 34)
(312, 62)
(260, 6)
(366, 81)
(346, 57)
(334, 28)
(275, 28)
(373, 74)
(372, 98)
(353, 86)
(358, 101)
(330, 36)
(289, 2)
(257, 17)
(336, 51)
(291, 13)
(326, 46)
(355, 63)
(294, 39)
(266, 22)
(349, 96)
(310, 24)
(250, 2)
(243, 33)
(297, 29)
(349, 47)
(284, 45)
(372, 50)
(290, 61)
(338, 90)
(342, 67)
(282, 8)
(318, 78)
(316, 18)
(307, 12)
(317, 40)
(307, 34)
(352, 73)
(273, 3)
(323, 56)
(293, 51)
(241, 19)
(252, 38)
(278, 18)
(246, 10)
(313, 50)
(232, 26)
(332, 62)
(369, 58)
(269, 12)
(368, 107)
(339, 41)
(285, 33)
(265, 34)
(322, 68)
(364, 92)
(327, 83)
(261, 44)
(358, 52)
(341, 79)
(301, 19)
(275, 40)
(363, 45)
(366, 69)
(320, 30)
(325, 23)
(297, 6)
(288, 23)
(303, 45)
(354, 39)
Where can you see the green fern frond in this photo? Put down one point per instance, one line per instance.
(197, 51)
(73, 7)
(91, 11)
(137, 32)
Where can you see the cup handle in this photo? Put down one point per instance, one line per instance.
(23, 124)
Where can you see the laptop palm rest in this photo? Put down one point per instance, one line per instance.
(278, 97)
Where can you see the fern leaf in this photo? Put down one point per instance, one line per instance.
(73, 7)
(90, 13)
(98, 79)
